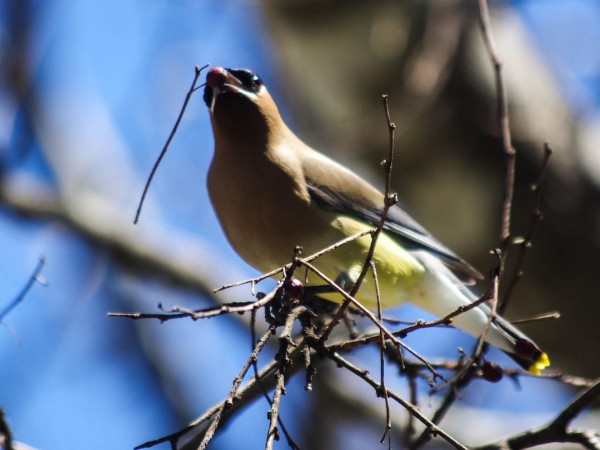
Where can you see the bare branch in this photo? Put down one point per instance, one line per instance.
(503, 123)
(178, 312)
(416, 412)
(558, 430)
(538, 317)
(197, 72)
(35, 277)
(388, 418)
(527, 242)
(250, 390)
(288, 266)
(444, 321)
(389, 335)
(389, 200)
(285, 342)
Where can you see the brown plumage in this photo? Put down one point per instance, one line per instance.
(272, 192)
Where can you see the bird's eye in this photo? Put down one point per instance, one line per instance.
(256, 81)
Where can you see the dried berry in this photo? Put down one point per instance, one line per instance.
(294, 288)
(491, 372)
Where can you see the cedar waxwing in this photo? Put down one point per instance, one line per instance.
(272, 192)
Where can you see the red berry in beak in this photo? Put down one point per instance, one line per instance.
(216, 77)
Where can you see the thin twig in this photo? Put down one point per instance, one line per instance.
(389, 335)
(466, 372)
(179, 312)
(35, 277)
(414, 326)
(285, 342)
(283, 269)
(412, 409)
(464, 375)
(481, 346)
(410, 424)
(538, 317)
(558, 430)
(236, 384)
(252, 281)
(388, 417)
(503, 122)
(197, 71)
(291, 443)
(216, 411)
(389, 200)
(527, 242)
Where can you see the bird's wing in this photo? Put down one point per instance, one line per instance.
(336, 188)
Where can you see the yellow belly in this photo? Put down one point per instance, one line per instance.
(398, 272)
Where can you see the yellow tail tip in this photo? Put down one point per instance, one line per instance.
(540, 363)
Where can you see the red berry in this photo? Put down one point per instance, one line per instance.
(294, 288)
(216, 76)
(491, 372)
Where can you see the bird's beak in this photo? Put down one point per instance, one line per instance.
(218, 81)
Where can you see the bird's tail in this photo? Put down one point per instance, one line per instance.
(445, 293)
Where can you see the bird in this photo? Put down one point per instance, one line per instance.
(271, 192)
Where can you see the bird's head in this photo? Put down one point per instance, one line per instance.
(240, 105)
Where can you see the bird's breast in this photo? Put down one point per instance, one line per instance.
(264, 208)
